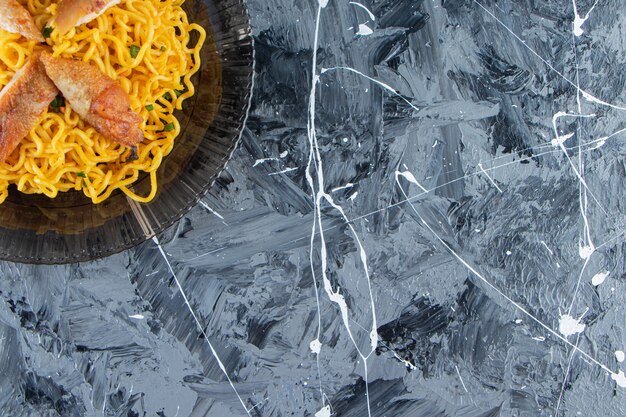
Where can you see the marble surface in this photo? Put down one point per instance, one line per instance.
(433, 228)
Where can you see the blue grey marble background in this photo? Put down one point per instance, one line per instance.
(479, 251)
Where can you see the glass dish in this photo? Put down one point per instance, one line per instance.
(69, 228)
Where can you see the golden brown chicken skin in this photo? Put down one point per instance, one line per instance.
(76, 12)
(15, 18)
(98, 99)
(22, 103)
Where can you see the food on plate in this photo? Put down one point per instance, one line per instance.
(98, 99)
(15, 18)
(22, 102)
(72, 13)
(120, 76)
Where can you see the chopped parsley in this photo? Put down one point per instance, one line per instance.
(57, 103)
(163, 48)
(167, 96)
(46, 31)
(134, 50)
(81, 174)
(168, 127)
(149, 107)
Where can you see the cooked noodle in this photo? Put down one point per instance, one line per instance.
(62, 152)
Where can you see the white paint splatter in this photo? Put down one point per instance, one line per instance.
(585, 251)
(480, 165)
(137, 316)
(364, 8)
(598, 143)
(596, 100)
(318, 194)
(380, 83)
(567, 373)
(459, 374)
(316, 346)
(580, 21)
(342, 187)
(560, 139)
(620, 378)
(206, 253)
(496, 289)
(560, 74)
(323, 412)
(353, 196)
(599, 277)
(260, 161)
(408, 364)
(311, 135)
(198, 324)
(206, 206)
(283, 171)
(410, 177)
(619, 355)
(364, 30)
(568, 325)
(549, 250)
(284, 154)
(316, 79)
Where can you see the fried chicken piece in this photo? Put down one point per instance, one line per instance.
(22, 101)
(76, 12)
(15, 18)
(98, 99)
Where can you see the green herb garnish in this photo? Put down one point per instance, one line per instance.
(46, 31)
(81, 174)
(134, 50)
(167, 96)
(149, 107)
(57, 103)
(163, 48)
(179, 92)
(168, 127)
